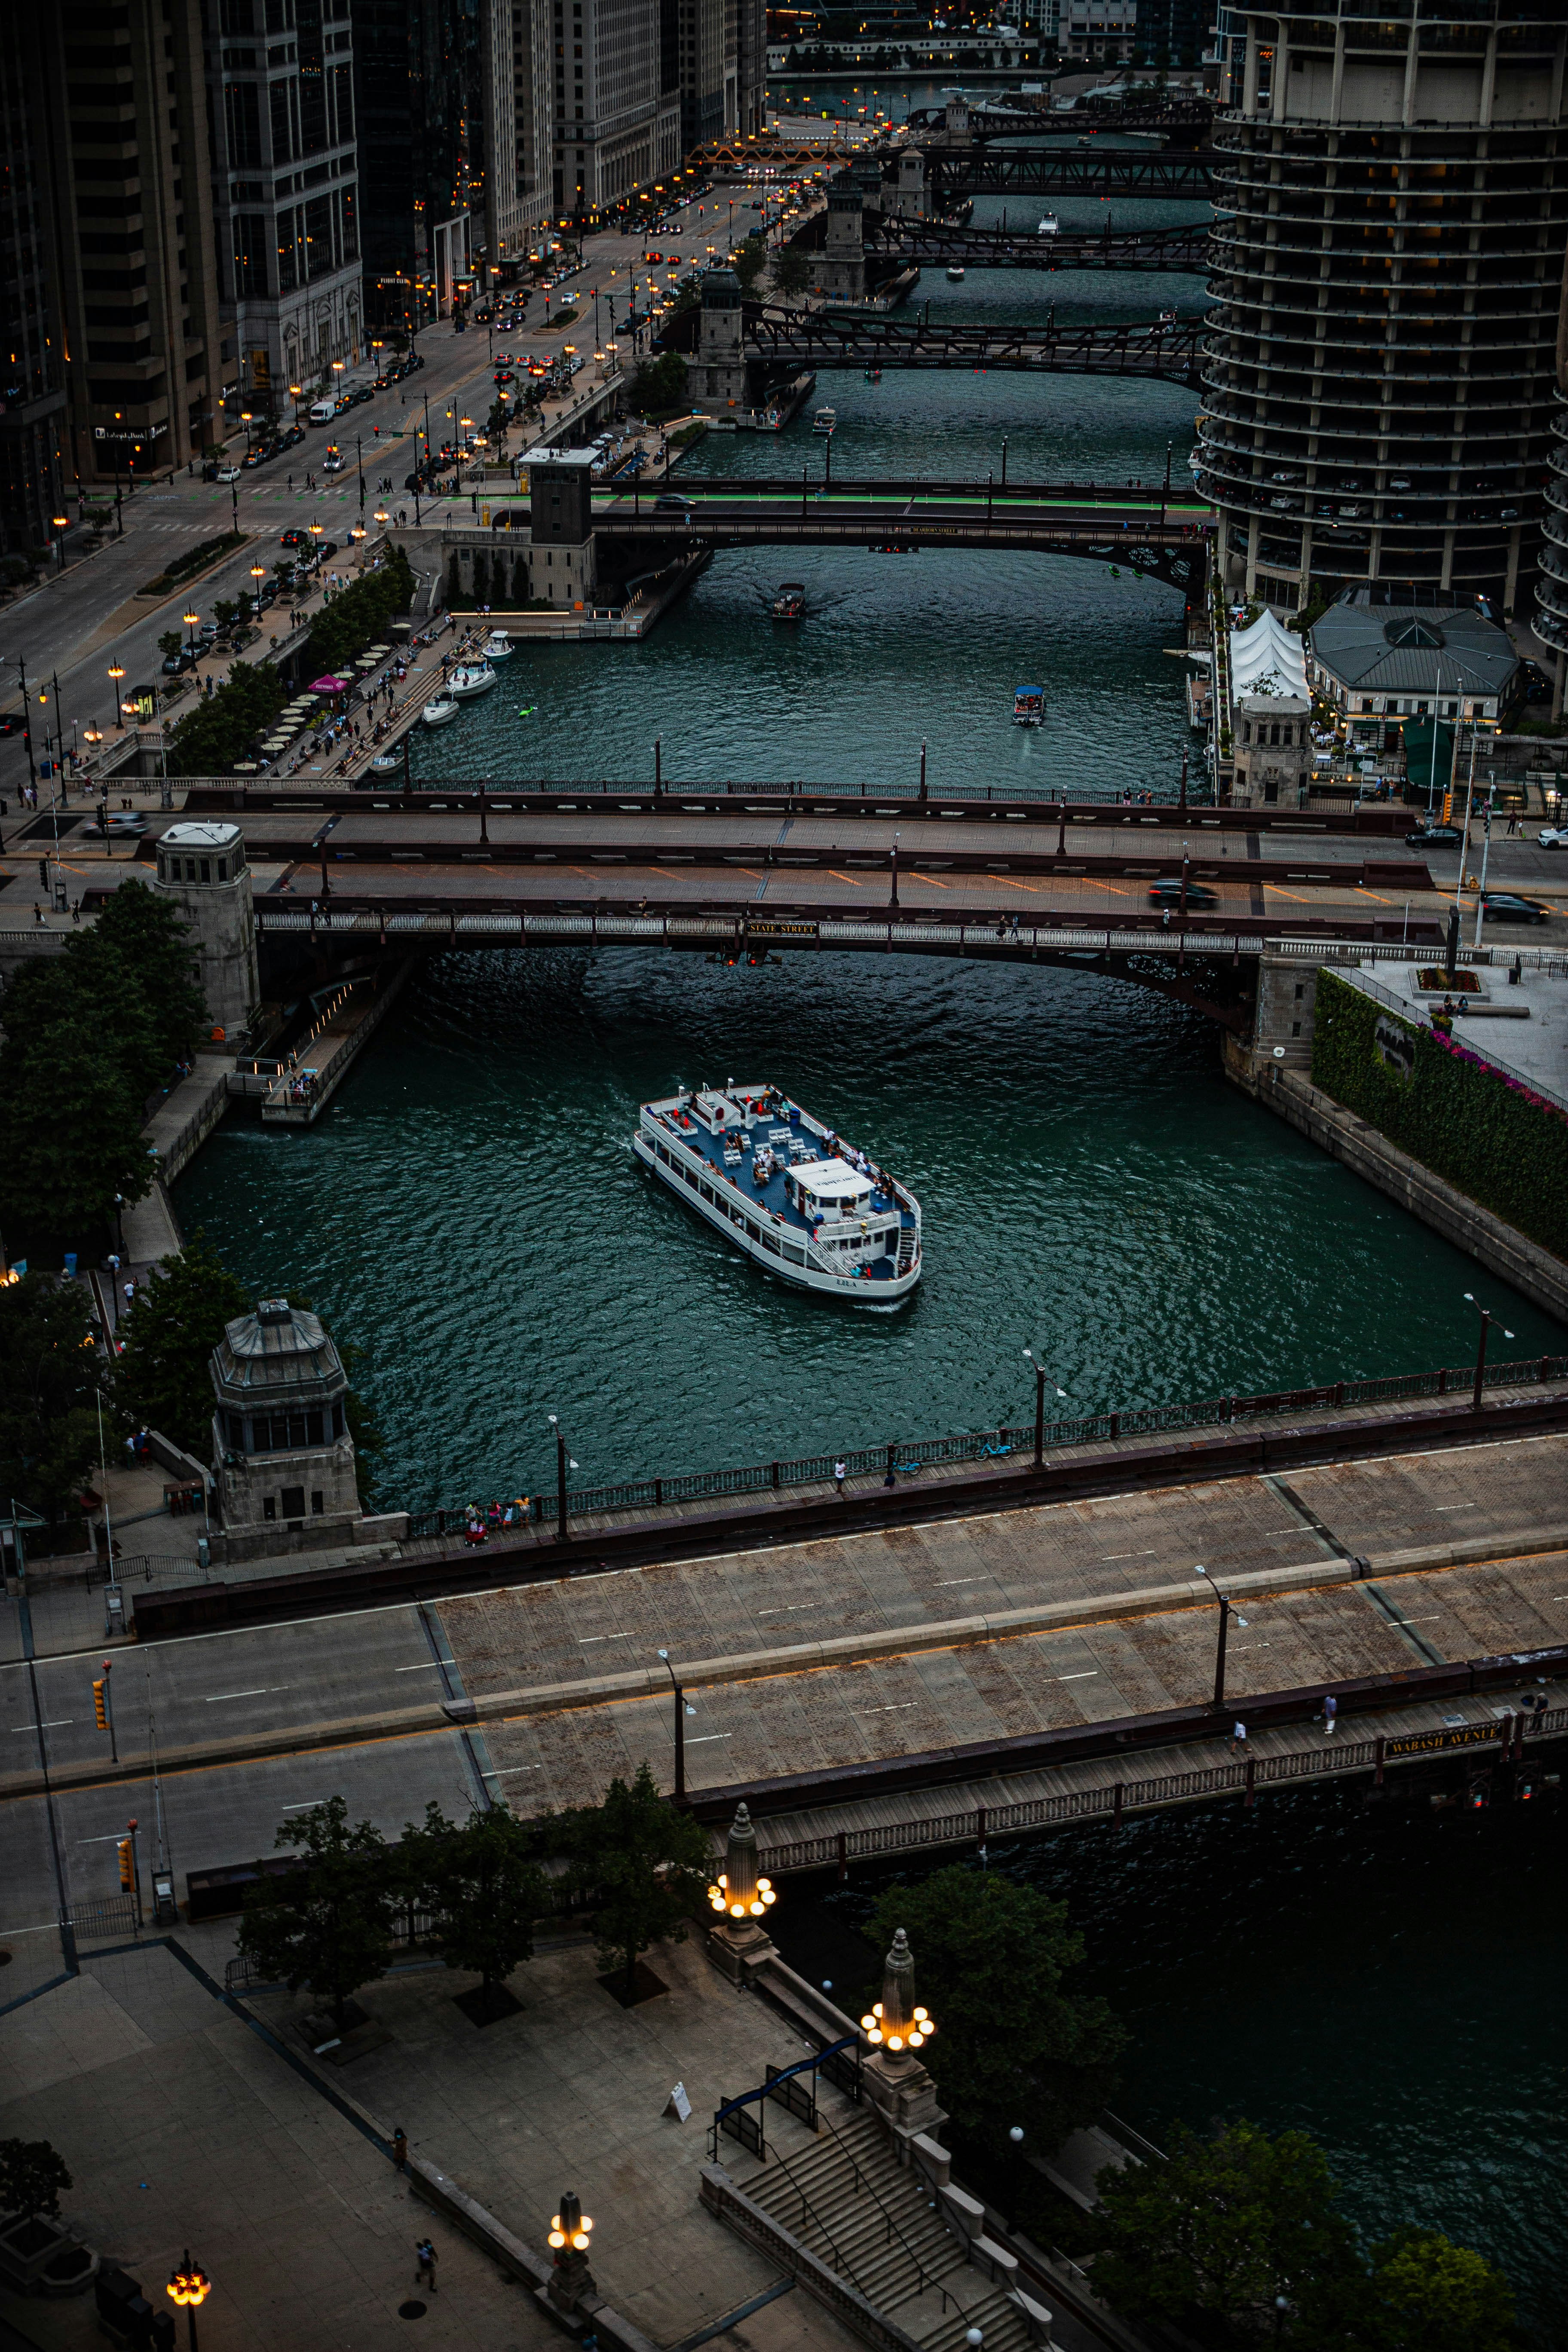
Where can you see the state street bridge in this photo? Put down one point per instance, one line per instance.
(897, 238)
(784, 342)
(953, 173)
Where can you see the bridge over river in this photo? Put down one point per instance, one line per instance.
(783, 342)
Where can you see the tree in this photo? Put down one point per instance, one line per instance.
(659, 384)
(222, 727)
(71, 1107)
(156, 947)
(484, 1887)
(326, 1924)
(990, 1957)
(792, 271)
(168, 1335)
(481, 577)
(50, 1371)
(1430, 2295)
(170, 643)
(1223, 2231)
(750, 262)
(646, 1862)
(32, 2175)
(358, 617)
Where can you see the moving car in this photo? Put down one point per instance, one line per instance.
(671, 502)
(1169, 894)
(293, 538)
(1426, 837)
(1508, 906)
(229, 473)
(1554, 836)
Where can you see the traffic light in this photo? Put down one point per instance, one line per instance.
(43, 873)
(100, 1704)
(127, 1865)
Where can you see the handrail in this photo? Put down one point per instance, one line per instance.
(893, 2227)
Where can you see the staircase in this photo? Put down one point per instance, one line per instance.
(876, 2223)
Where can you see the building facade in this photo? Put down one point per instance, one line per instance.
(281, 1447)
(1429, 658)
(285, 189)
(617, 130)
(1392, 214)
(120, 147)
(418, 76)
(533, 121)
(32, 387)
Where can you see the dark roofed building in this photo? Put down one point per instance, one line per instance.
(1381, 661)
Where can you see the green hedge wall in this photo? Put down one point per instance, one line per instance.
(1491, 1139)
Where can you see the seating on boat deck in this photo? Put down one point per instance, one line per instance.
(731, 1153)
(779, 1137)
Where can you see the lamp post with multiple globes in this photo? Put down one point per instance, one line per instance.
(190, 2286)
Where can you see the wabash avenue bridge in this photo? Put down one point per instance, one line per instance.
(1141, 528)
(953, 173)
(896, 239)
(787, 342)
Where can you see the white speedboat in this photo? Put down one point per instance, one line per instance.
(824, 420)
(384, 760)
(498, 646)
(470, 678)
(1048, 226)
(955, 275)
(439, 709)
(786, 1191)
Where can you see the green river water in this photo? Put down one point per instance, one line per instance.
(469, 1210)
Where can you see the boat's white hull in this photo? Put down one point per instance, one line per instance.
(857, 1290)
(475, 682)
(439, 714)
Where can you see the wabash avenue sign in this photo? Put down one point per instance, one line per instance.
(1429, 1743)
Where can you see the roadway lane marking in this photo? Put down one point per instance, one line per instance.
(707, 1736)
(1127, 1555)
(897, 1707)
(844, 877)
(305, 1805)
(583, 1640)
(57, 1724)
(113, 1838)
(424, 1667)
(262, 1690)
(1456, 1506)
(1087, 1676)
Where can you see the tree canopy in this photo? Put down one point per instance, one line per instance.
(49, 1372)
(646, 1862)
(1011, 2041)
(484, 1884)
(167, 1337)
(659, 384)
(1430, 2295)
(358, 616)
(221, 726)
(326, 1924)
(32, 2175)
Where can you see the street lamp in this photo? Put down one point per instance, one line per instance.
(1488, 1319)
(683, 1708)
(190, 2286)
(738, 1893)
(192, 622)
(117, 671)
(61, 524)
(1041, 1376)
(1224, 1630)
(245, 419)
(895, 2023)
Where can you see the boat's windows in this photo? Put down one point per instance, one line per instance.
(796, 1256)
(769, 1242)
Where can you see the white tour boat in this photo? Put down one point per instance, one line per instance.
(470, 678)
(439, 709)
(498, 646)
(786, 1191)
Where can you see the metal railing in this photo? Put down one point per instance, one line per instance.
(1420, 1017)
(1007, 1442)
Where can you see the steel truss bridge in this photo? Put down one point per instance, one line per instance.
(954, 172)
(793, 341)
(899, 239)
(985, 121)
(1166, 538)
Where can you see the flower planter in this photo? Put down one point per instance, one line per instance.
(38, 2256)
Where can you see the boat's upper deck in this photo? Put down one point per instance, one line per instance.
(809, 1176)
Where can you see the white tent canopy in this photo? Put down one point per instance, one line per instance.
(1267, 659)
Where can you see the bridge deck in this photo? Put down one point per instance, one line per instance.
(924, 1664)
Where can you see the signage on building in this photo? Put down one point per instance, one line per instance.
(137, 433)
(1394, 1047)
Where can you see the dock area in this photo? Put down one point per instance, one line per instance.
(317, 1066)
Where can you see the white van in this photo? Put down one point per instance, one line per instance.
(323, 411)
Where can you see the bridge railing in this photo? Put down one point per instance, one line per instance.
(1007, 1442)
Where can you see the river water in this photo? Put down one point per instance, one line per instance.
(468, 1209)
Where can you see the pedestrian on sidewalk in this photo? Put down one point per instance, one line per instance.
(838, 1475)
(1237, 1736)
(426, 2274)
(1331, 1711)
(400, 2148)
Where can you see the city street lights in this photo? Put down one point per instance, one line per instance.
(192, 622)
(245, 415)
(117, 671)
(1488, 1319)
(296, 394)
(682, 1710)
(1041, 1376)
(190, 2286)
(1224, 1630)
(61, 524)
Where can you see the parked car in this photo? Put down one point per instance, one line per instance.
(1169, 894)
(1510, 907)
(178, 663)
(1431, 836)
(11, 722)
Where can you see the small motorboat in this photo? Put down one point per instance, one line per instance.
(384, 760)
(498, 646)
(955, 274)
(1028, 706)
(1048, 226)
(824, 420)
(470, 678)
(440, 709)
(789, 605)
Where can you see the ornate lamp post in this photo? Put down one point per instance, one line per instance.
(570, 2277)
(740, 1900)
(192, 622)
(190, 2286)
(897, 2028)
(117, 671)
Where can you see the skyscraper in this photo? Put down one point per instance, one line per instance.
(1391, 209)
(285, 188)
(32, 385)
(534, 85)
(618, 129)
(119, 144)
(422, 154)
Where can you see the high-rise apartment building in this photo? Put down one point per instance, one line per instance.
(421, 152)
(32, 380)
(749, 19)
(534, 117)
(1391, 214)
(617, 130)
(1550, 621)
(120, 147)
(707, 73)
(285, 193)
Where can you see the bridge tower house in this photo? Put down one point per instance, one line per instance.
(560, 526)
(202, 873)
(844, 260)
(719, 376)
(909, 191)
